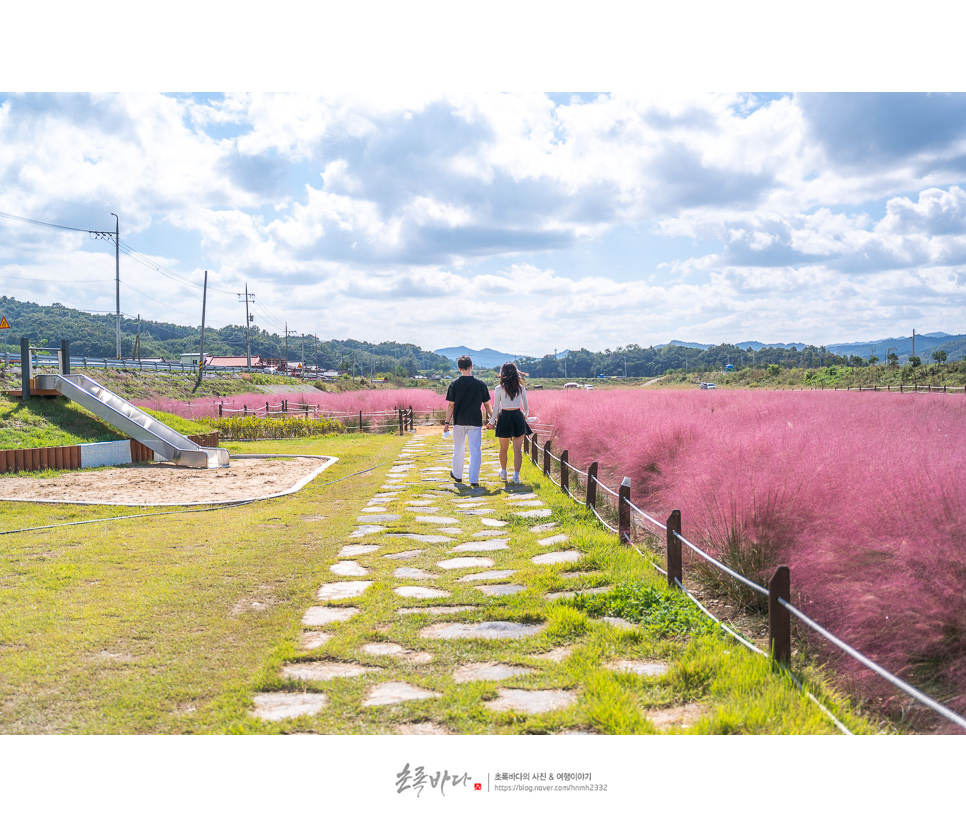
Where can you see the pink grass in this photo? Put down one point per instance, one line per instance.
(861, 495)
(347, 404)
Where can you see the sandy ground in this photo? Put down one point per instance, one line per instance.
(164, 483)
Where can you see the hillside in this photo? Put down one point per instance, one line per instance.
(95, 336)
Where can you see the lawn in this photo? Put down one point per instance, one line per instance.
(172, 625)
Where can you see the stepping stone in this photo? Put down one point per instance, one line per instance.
(413, 573)
(437, 609)
(646, 668)
(313, 639)
(419, 592)
(618, 622)
(475, 547)
(682, 717)
(528, 503)
(437, 519)
(395, 650)
(423, 728)
(450, 531)
(403, 554)
(366, 530)
(464, 503)
(488, 671)
(493, 522)
(483, 534)
(420, 503)
(277, 706)
(543, 528)
(500, 590)
(357, 550)
(332, 591)
(348, 569)
(496, 630)
(395, 692)
(324, 671)
(378, 509)
(388, 517)
(317, 615)
(558, 539)
(556, 655)
(424, 510)
(572, 594)
(557, 556)
(534, 513)
(478, 512)
(419, 537)
(381, 499)
(490, 574)
(531, 701)
(466, 562)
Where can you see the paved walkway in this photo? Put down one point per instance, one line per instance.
(432, 565)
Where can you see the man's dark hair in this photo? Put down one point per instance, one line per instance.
(464, 363)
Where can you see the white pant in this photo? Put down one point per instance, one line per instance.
(475, 435)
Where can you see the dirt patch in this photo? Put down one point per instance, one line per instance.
(166, 484)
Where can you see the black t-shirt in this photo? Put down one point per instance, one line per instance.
(467, 393)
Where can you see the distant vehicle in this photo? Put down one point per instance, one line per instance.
(571, 385)
(588, 387)
(708, 386)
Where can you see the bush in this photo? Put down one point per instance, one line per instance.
(275, 428)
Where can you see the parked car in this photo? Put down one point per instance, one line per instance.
(705, 386)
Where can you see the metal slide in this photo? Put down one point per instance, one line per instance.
(133, 422)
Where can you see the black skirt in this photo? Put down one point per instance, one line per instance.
(512, 424)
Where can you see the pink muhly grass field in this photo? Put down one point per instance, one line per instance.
(863, 496)
(347, 404)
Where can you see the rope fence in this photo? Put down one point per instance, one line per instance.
(778, 592)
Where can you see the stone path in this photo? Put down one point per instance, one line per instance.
(427, 589)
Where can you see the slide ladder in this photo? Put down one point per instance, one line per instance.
(129, 419)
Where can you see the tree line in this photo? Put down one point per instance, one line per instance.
(95, 335)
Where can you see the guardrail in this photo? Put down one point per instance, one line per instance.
(778, 592)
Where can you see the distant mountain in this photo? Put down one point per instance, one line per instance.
(676, 343)
(925, 345)
(486, 358)
(760, 345)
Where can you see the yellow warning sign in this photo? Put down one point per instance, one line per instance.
(4, 325)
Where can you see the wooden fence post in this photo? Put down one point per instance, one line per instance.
(533, 449)
(526, 444)
(779, 618)
(399, 414)
(546, 458)
(674, 566)
(360, 422)
(624, 511)
(591, 501)
(565, 471)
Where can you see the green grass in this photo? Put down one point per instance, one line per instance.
(56, 421)
(174, 624)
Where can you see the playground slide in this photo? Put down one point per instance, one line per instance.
(133, 422)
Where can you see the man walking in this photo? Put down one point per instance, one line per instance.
(464, 398)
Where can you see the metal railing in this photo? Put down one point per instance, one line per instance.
(778, 592)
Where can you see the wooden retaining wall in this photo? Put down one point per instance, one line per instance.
(69, 457)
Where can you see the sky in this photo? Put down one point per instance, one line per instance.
(523, 221)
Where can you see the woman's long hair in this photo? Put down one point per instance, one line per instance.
(510, 379)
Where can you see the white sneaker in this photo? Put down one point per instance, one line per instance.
(516, 478)
(502, 474)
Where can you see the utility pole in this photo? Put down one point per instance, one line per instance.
(204, 303)
(287, 332)
(137, 341)
(913, 341)
(117, 276)
(248, 320)
(303, 355)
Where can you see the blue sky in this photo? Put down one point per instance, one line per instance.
(523, 221)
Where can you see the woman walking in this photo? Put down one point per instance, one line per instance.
(510, 411)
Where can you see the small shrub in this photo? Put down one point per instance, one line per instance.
(662, 610)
